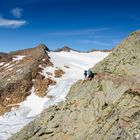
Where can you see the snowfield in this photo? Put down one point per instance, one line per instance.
(73, 64)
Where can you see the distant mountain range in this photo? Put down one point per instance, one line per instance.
(68, 49)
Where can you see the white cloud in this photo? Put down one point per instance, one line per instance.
(135, 18)
(17, 12)
(11, 23)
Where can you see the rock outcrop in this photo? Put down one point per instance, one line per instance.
(41, 86)
(19, 72)
(58, 73)
(105, 108)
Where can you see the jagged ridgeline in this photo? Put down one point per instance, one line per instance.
(106, 108)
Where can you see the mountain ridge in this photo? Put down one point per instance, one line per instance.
(68, 49)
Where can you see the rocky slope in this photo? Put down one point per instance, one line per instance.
(125, 58)
(19, 72)
(106, 108)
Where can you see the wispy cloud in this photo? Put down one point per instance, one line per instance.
(93, 42)
(11, 23)
(116, 41)
(135, 18)
(17, 12)
(78, 32)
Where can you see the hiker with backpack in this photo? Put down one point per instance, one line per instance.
(88, 74)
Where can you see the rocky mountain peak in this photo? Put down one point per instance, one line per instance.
(35, 52)
(43, 47)
(65, 48)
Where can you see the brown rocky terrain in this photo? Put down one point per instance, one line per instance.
(58, 73)
(19, 75)
(105, 108)
(41, 86)
(5, 57)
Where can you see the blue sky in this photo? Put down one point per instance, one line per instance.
(80, 24)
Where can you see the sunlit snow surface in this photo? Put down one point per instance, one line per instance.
(77, 62)
(18, 57)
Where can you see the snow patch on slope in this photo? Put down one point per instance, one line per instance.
(35, 103)
(18, 57)
(2, 63)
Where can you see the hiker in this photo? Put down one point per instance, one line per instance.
(85, 74)
(88, 75)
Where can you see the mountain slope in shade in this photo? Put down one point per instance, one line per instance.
(51, 76)
(105, 108)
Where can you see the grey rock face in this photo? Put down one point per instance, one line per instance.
(105, 108)
(124, 59)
